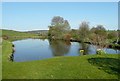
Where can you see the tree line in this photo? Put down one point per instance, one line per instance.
(61, 29)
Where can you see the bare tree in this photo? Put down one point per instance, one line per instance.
(98, 37)
(84, 31)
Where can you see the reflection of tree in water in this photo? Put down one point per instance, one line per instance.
(59, 47)
(84, 47)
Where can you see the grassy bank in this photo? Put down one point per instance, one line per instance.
(0, 55)
(77, 67)
(0, 61)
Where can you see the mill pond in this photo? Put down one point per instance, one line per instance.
(38, 49)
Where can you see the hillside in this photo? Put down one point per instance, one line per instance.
(12, 33)
(16, 35)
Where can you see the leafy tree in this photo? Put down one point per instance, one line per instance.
(59, 27)
(66, 25)
(57, 20)
(112, 35)
(74, 34)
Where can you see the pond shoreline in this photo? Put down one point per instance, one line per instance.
(11, 57)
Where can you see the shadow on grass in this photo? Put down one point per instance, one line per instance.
(109, 65)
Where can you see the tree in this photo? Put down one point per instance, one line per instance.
(57, 20)
(98, 36)
(118, 36)
(74, 34)
(84, 31)
(67, 37)
(58, 28)
(66, 25)
(112, 35)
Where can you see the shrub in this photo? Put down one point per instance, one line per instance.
(100, 52)
(5, 37)
(67, 36)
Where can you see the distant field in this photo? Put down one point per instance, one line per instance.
(16, 35)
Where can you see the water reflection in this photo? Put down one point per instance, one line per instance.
(37, 49)
(59, 48)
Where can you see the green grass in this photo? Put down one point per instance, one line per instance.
(0, 61)
(77, 67)
(12, 33)
(16, 35)
(0, 55)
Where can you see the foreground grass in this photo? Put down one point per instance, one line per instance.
(77, 67)
(0, 55)
(0, 61)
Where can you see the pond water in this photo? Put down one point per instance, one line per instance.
(37, 49)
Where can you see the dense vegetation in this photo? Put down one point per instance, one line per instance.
(83, 67)
(60, 29)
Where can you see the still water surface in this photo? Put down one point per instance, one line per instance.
(37, 49)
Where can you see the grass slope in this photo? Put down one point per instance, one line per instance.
(0, 61)
(12, 33)
(15, 35)
(77, 67)
(0, 55)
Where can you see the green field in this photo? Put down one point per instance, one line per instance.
(15, 35)
(76, 67)
(12, 33)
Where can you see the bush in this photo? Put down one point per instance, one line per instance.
(100, 52)
(67, 36)
(5, 37)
